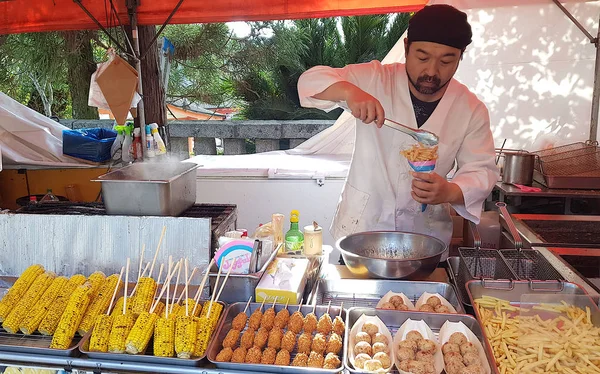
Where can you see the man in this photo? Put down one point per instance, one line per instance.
(381, 191)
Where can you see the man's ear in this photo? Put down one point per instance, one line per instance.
(406, 46)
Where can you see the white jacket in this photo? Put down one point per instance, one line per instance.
(376, 195)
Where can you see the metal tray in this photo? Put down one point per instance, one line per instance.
(463, 297)
(216, 343)
(394, 320)
(589, 181)
(368, 292)
(147, 358)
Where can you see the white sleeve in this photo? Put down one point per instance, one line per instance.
(319, 78)
(477, 171)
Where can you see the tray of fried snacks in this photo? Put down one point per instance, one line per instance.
(369, 343)
(417, 349)
(280, 338)
(462, 351)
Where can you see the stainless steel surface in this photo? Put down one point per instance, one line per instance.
(518, 167)
(34, 344)
(225, 325)
(150, 189)
(368, 292)
(393, 320)
(83, 244)
(391, 254)
(574, 166)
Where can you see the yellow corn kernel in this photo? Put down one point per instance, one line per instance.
(175, 311)
(160, 309)
(140, 333)
(101, 333)
(118, 308)
(12, 323)
(164, 337)
(144, 295)
(69, 321)
(18, 289)
(121, 327)
(192, 303)
(202, 336)
(96, 279)
(215, 312)
(99, 304)
(36, 314)
(185, 336)
(56, 309)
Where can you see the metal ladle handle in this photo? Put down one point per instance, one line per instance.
(511, 225)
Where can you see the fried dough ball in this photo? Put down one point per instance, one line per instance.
(388, 306)
(380, 338)
(424, 357)
(247, 339)
(301, 360)
(310, 323)
(454, 367)
(370, 328)
(325, 325)
(450, 347)
(458, 338)
(429, 368)
(275, 337)
(397, 300)
(472, 369)
(296, 322)
(268, 319)
(239, 322)
(283, 358)
(362, 336)
(380, 347)
(282, 318)
(360, 359)
(363, 347)
(434, 301)
(231, 338)
(254, 321)
(260, 340)
(332, 361)
(304, 343)
(426, 308)
(384, 358)
(239, 355)
(471, 358)
(403, 365)
(414, 335)
(253, 356)
(373, 365)
(409, 344)
(339, 326)
(225, 355)
(403, 308)
(452, 356)
(268, 356)
(416, 367)
(289, 341)
(334, 344)
(319, 343)
(315, 360)
(467, 347)
(426, 346)
(442, 309)
(404, 354)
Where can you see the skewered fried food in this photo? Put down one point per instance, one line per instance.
(339, 326)
(231, 338)
(384, 358)
(319, 343)
(362, 336)
(275, 337)
(268, 319)
(360, 359)
(363, 347)
(334, 344)
(289, 341)
(283, 358)
(254, 320)
(310, 323)
(247, 340)
(282, 318)
(239, 322)
(315, 360)
(268, 356)
(239, 355)
(225, 355)
(370, 328)
(253, 356)
(300, 360)
(260, 340)
(332, 361)
(296, 322)
(304, 343)
(325, 325)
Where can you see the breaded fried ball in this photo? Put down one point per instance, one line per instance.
(471, 358)
(380, 338)
(296, 322)
(452, 356)
(319, 343)
(325, 325)
(260, 340)
(231, 338)
(268, 319)
(283, 358)
(467, 347)
(458, 338)
(300, 360)
(384, 358)
(409, 344)
(416, 367)
(304, 343)
(403, 308)
(397, 300)
(442, 309)
(254, 320)
(239, 355)
(239, 322)
(403, 365)
(275, 337)
(414, 335)
(450, 347)
(472, 369)
(426, 346)
(404, 354)
(434, 301)
(370, 328)
(334, 344)
(268, 356)
(424, 357)
(332, 361)
(429, 368)
(380, 347)
(247, 339)
(225, 355)
(282, 318)
(426, 308)
(310, 323)
(373, 365)
(388, 306)
(362, 336)
(315, 360)
(253, 356)
(289, 341)
(454, 367)
(360, 359)
(363, 347)
(339, 327)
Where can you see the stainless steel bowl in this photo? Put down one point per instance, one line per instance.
(391, 254)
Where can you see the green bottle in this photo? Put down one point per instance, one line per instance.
(294, 238)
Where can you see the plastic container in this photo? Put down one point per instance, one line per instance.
(137, 144)
(127, 153)
(313, 240)
(159, 144)
(149, 143)
(89, 144)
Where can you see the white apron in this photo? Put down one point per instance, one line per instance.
(377, 193)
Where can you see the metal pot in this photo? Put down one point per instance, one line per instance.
(518, 167)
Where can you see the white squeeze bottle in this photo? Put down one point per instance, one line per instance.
(116, 146)
(127, 156)
(149, 143)
(159, 147)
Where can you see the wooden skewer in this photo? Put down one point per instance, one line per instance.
(187, 308)
(247, 304)
(126, 283)
(341, 309)
(162, 235)
(112, 300)
(287, 302)
(168, 288)
(262, 304)
(199, 292)
(314, 308)
(176, 284)
(328, 306)
(214, 292)
(300, 306)
(141, 261)
(274, 301)
(164, 288)
(224, 281)
(158, 281)
(187, 283)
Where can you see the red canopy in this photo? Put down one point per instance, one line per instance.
(18, 16)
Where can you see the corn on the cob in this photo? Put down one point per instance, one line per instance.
(56, 309)
(118, 308)
(164, 337)
(35, 315)
(140, 333)
(96, 280)
(202, 336)
(175, 311)
(192, 303)
(101, 333)
(12, 323)
(99, 304)
(18, 289)
(185, 336)
(69, 321)
(159, 310)
(144, 295)
(121, 327)
(215, 312)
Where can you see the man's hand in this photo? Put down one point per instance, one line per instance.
(430, 188)
(363, 106)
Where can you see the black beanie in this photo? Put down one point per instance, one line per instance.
(442, 24)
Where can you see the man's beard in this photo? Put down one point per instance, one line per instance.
(430, 89)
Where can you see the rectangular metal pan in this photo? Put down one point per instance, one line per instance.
(394, 320)
(216, 344)
(368, 292)
(147, 358)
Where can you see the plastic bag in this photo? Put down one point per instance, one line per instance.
(89, 144)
